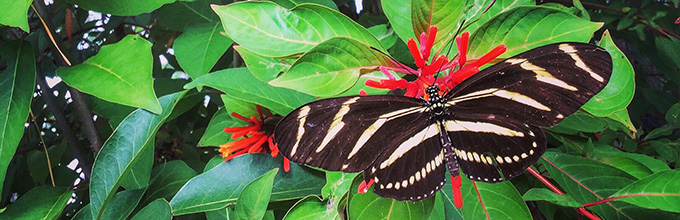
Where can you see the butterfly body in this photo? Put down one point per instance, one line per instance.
(489, 125)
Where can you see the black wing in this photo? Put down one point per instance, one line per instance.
(498, 112)
(390, 138)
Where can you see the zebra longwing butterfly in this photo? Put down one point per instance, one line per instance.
(489, 125)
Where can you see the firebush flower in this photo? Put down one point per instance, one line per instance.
(454, 72)
(253, 139)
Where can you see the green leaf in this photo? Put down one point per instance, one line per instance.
(199, 47)
(122, 204)
(214, 134)
(37, 162)
(669, 53)
(662, 131)
(337, 184)
(618, 93)
(658, 191)
(273, 31)
(332, 67)
(622, 117)
(588, 181)
(630, 166)
(15, 13)
(293, 3)
(368, 205)
(580, 122)
(17, 83)
(526, 27)
(40, 203)
(542, 194)
(475, 19)
(202, 194)
(119, 73)
(673, 114)
(140, 169)
(655, 165)
(178, 15)
(666, 152)
(501, 201)
(167, 179)
(238, 82)
(122, 7)
(311, 208)
(444, 14)
(254, 198)
(122, 149)
(398, 12)
(624, 23)
(114, 112)
(158, 209)
(384, 34)
(235, 105)
(262, 67)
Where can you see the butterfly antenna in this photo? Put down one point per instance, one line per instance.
(449, 50)
(395, 61)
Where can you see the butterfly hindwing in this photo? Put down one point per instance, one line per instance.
(493, 148)
(348, 133)
(415, 170)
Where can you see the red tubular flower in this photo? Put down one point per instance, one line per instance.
(253, 139)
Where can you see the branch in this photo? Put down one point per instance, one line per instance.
(62, 122)
(83, 112)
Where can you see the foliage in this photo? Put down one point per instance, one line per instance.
(120, 106)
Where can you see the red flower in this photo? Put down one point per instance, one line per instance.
(253, 139)
(455, 70)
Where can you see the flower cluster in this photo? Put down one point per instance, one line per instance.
(455, 70)
(253, 139)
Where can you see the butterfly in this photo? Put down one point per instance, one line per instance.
(489, 125)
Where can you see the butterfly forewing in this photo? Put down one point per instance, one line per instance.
(539, 87)
(348, 133)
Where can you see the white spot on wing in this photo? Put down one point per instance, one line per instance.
(302, 115)
(415, 140)
(453, 126)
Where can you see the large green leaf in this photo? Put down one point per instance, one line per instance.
(398, 12)
(332, 67)
(590, 181)
(621, 87)
(480, 12)
(368, 205)
(274, 31)
(214, 134)
(238, 82)
(122, 149)
(526, 27)
(122, 204)
(311, 208)
(263, 68)
(158, 209)
(177, 16)
(122, 7)
(220, 186)
(119, 73)
(444, 14)
(658, 191)
(15, 13)
(40, 203)
(17, 83)
(501, 201)
(543, 194)
(450, 209)
(167, 179)
(199, 47)
(254, 198)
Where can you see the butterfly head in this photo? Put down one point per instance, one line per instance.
(435, 102)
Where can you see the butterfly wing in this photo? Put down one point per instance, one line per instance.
(496, 114)
(415, 169)
(348, 133)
